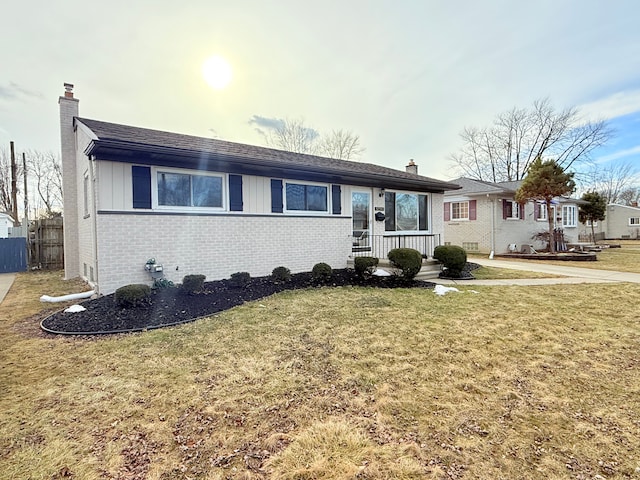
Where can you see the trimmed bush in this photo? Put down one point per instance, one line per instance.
(365, 266)
(322, 271)
(193, 283)
(281, 274)
(134, 295)
(453, 257)
(407, 260)
(240, 279)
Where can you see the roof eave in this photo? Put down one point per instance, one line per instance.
(115, 150)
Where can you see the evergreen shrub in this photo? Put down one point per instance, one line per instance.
(365, 266)
(322, 271)
(193, 283)
(453, 257)
(133, 295)
(407, 260)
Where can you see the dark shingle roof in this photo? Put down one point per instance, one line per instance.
(140, 145)
(472, 186)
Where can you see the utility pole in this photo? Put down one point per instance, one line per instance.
(26, 198)
(14, 186)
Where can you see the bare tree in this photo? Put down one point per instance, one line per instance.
(6, 197)
(630, 196)
(291, 135)
(340, 144)
(296, 136)
(46, 170)
(505, 150)
(611, 181)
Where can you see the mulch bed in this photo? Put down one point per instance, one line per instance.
(172, 306)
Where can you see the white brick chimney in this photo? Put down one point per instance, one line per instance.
(412, 167)
(69, 110)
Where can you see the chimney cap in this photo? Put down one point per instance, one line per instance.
(411, 162)
(68, 90)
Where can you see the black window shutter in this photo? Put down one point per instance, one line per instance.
(336, 199)
(141, 177)
(276, 196)
(235, 193)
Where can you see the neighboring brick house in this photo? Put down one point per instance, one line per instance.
(205, 206)
(484, 217)
(621, 222)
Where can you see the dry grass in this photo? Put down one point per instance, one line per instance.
(506, 383)
(491, 273)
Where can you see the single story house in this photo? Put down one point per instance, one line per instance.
(6, 222)
(484, 217)
(621, 222)
(205, 206)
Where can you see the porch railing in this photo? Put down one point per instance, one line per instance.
(379, 245)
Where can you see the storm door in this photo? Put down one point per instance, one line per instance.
(361, 213)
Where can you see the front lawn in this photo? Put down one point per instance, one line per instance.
(491, 382)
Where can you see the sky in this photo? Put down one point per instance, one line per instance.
(405, 76)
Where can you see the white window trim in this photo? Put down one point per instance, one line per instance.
(184, 171)
(306, 212)
(429, 216)
(461, 219)
(542, 212)
(636, 223)
(515, 208)
(565, 223)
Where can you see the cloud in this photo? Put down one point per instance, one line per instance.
(627, 152)
(613, 106)
(265, 122)
(13, 91)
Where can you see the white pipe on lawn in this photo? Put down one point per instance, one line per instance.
(65, 298)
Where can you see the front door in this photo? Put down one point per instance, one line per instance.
(361, 213)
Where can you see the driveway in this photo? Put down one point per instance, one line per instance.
(570, 274)
(6, 280)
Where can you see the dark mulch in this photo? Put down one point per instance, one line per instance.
(171, 306)
(465, 275)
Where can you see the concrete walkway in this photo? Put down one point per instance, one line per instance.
(570, 274)
(6, 280)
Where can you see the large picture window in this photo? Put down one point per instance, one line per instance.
(406, 212)
(306, 197)
(189, 190)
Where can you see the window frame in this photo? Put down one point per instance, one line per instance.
(515, 207)
(156, 171)
(452, 217)
(634, 221)
(573, 216)
(285, 206)
(428, 199)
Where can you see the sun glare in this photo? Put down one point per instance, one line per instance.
(216, 72)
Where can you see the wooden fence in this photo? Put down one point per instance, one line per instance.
(46, 244)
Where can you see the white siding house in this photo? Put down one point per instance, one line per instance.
(620, 222)
(205, 206)
(5, 223)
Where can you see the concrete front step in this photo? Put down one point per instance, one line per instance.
(430, 268)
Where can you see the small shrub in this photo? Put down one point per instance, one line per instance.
(133, 295)
(322, 271)
(240, 279)
(193, 283)
(407, 260)
(453, 257)
(281, 274)
(365, 266)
